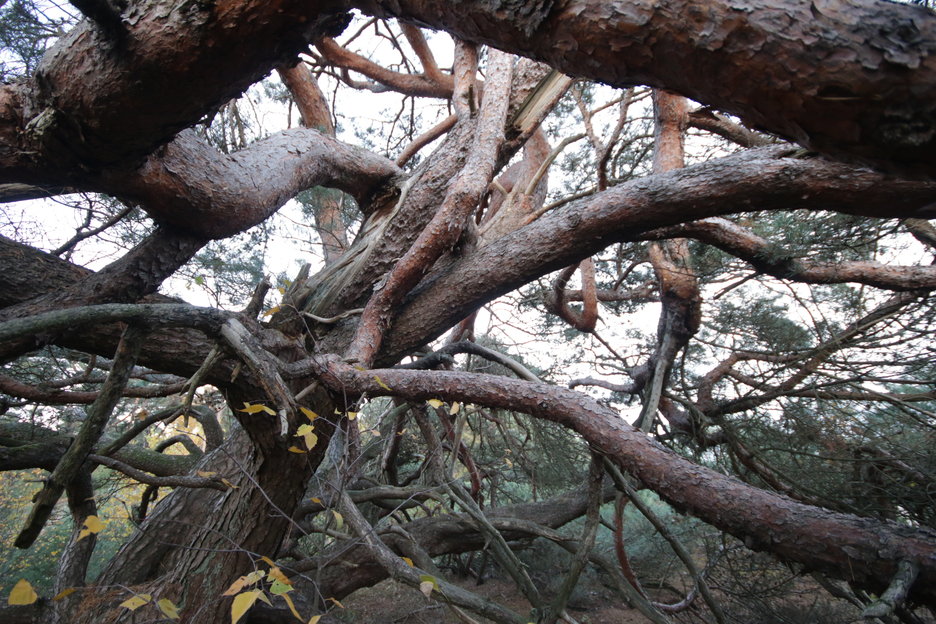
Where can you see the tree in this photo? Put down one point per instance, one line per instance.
(730, 377)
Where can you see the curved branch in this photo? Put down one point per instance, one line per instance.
(430, 84)
(763, 179)
(773, 260)
(864, 551)
(193, 186)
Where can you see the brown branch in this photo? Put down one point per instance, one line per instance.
(716, 123)
(764, 179)
(585, 320)
(864, 551)
(425, 138)
(825, 102)
(419, 85)
(148, 479)
(423, 52)
(399, 570)
(192, 185)
(91, 429)
(447, 225)
(464, 72)
(770, 258)
(48, 396)
(620, 502)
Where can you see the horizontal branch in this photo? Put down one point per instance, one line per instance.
(772, 259)
(208, 320)
(860, 550)
(196, 188)
(852, 78)
(148, 479)
(761, 179)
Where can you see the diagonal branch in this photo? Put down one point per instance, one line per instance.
(99, 413)
(866, 552)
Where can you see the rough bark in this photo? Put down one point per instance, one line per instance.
(853, 79)
(863, 551)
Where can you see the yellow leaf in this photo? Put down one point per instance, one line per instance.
(338, 604)
(22, 594)
(275, 574)
(305, 432)
(92, 525)
(339, 520)
(272, 311)
(296, 449)
(68, 591)
(508, 462)
(244, 581)
(135, 602)
(256, 408)
(317, 500)
(168, 608)
(435, 403)
(455, 407)
(268, 561)
(309, 413)
(292, 607)
(314, 619)
(242, 603)
(409, 562)
(229, 484)
(205, 473)
(264, 598)
(382, 384)
(352, 416)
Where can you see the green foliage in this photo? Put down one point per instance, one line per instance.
(759, 323)
(27, 29)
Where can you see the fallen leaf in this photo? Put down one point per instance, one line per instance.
(68, 591)
(455, 407)
(168, 608)
(22, 594)
(435, 403)
(309, 413)
(135, 602)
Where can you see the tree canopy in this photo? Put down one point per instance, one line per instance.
(545, 271)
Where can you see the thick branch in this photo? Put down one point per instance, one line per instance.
(863, 551)
(196, 188)
(855, 79)
(762, 179)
